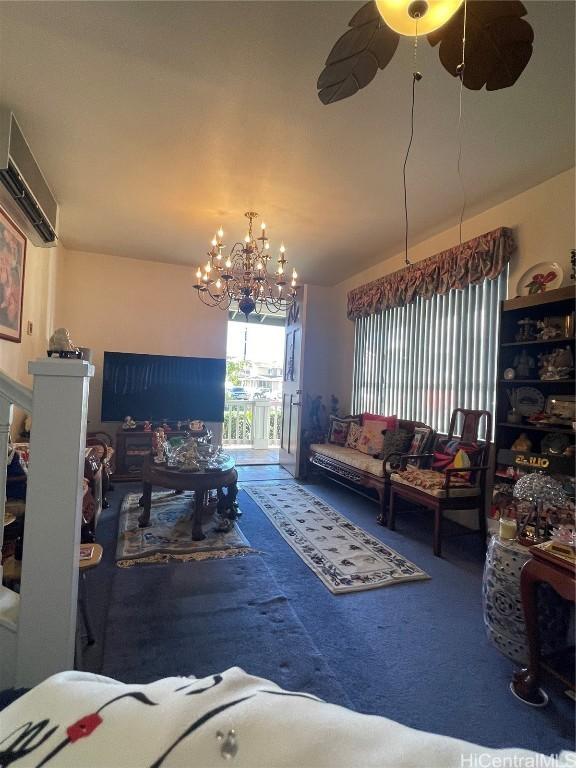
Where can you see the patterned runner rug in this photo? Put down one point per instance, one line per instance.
(169, 535)
(343, 556)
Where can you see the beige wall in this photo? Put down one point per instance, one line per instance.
(543, 219)
(124, 305)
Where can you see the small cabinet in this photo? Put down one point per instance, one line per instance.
(132, 445)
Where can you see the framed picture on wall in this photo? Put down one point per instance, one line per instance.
(12, 263)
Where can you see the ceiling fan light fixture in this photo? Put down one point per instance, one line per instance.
(423, 16)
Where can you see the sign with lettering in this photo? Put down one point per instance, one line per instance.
(532, 461)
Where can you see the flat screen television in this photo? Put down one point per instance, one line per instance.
(157, 387)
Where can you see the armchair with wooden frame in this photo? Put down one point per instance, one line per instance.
(446, 493)
(104, 453)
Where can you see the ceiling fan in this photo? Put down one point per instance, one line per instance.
(498, 42)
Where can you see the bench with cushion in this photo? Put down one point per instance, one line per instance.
(398, 440)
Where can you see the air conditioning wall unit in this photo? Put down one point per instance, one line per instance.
(24, 191)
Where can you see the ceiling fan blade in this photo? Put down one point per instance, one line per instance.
(368, 12)
(357, 55)
(498, 43)
(345, 78)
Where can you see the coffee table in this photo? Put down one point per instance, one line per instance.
(223, 480)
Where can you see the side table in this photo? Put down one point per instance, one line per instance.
(225, 477)
(544, 567)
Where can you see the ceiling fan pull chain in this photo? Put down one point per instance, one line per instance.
(417, 75)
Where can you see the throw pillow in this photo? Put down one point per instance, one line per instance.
(388, 422)
(456, 455)
(354, 435)
(395, 442)
(419, 440)
(339, 427)
(372, 439)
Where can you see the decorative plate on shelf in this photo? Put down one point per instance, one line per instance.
(542, 277)
(529, 401)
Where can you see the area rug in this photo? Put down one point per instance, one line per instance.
(168, 537)
(343, 556)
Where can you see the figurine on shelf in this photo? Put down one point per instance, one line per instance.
(549, 328)
(523, 365)
(541, 493)
(556, 365)
(159, 445)
(129, 423)
(564, 541)
(522, 443)
(147, 426)
(60, 344)
(526, 329)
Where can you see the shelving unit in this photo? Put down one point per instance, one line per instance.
(510, 464)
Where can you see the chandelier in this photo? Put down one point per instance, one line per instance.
(246, 276)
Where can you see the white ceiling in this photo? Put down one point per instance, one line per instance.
(155, 122)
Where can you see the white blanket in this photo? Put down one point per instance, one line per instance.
(83, 721)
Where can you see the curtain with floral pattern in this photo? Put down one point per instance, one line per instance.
(482, 258)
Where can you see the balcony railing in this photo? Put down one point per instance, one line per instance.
(252, 423)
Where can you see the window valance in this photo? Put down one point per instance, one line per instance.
(481, 258)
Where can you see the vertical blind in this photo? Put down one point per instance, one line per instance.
(425, 359)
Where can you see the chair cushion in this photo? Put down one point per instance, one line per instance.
(429, 482)
(350, 457)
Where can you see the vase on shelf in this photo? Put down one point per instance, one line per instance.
(513, 417)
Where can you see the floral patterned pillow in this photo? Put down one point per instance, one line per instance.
(372, 439)
(354, 435)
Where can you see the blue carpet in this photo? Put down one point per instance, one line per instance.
(414, 652)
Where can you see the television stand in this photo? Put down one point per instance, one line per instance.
(132, 446)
